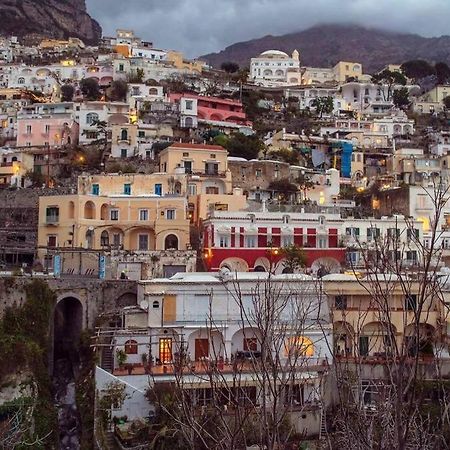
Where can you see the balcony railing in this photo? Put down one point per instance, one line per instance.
(52, 220)
(220, 174)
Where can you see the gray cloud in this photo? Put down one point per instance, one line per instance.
(201, 26)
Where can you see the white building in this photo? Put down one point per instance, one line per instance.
(87, 114)
(172, 323)
(275, 68)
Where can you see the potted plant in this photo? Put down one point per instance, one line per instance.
(121, 358)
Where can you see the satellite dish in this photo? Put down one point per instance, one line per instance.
(144, 304)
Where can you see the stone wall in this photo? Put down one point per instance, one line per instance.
(96, 296)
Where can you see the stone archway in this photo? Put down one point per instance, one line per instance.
(67, 326)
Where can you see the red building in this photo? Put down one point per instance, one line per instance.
(244, 241)
(215, 109)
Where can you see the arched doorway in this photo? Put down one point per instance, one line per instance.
(67, 326)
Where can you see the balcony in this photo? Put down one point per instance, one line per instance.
(123, 141)
(219, 174)
(52, 220)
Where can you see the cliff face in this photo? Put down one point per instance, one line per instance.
(325, 45)
(48, 18)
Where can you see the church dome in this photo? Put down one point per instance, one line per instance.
(274, 54)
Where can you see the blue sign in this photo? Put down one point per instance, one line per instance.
(102, 267)
(57, 266)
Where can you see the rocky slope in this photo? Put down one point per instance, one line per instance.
(324, 45)
(48, 18)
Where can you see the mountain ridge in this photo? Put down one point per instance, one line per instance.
(325, 45)
(58, 19)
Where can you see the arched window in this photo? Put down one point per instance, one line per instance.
(71, 210)
(156, 304)
(104, 212)
(89, 210)
(104, 239)
(188, 122)
(91, 118)
(21, 80)
(131, 347)
(259, 269)
(153, 91)
(90, 238)
(171, 242)
(299, 346)
(124, 135)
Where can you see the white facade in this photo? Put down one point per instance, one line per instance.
(273, 67)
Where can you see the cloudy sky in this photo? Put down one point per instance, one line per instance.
(202, 26)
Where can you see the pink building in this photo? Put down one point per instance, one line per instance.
(46, 124)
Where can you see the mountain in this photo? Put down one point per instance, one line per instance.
(324, 45)
(48, 18)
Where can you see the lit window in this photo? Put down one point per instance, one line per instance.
(299, 346)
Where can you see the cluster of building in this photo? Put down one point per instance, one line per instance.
(202, 225)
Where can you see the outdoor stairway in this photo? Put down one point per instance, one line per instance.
(323, 425)
(110, 443)
(107, 359)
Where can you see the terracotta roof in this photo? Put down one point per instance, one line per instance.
(197, 146)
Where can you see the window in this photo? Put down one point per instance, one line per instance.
(186, 155)
(47, 129)
(95, 189)
(123, 153)
(393, 233)
(91, 118)
(211, 168)
(52, 240)
(155, 304)
(373, 234)
(412, 234)
(165, 350)
(170, 214)
(104, 239)
(212, 190)
(250, 241)
(124, 135)
(52, 214)
(127, 189)
(363, 345)
(322, 242)
(187, 166)
(224, 241)
(141, 134)
(158, 189)
(352, 231)
(143, 214)
(192, 189)
(411, 302)
(189, 104)
(28, 129)
(287, 240)
(143, 242)
(131, 347)
(340, 302)
(114, 214)
(258, 173)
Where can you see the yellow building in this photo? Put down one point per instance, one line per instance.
(437, 94)
(209, 183)
(344, 70)
(135, 212)
(14, 167)
(367, 314)
(177, 59)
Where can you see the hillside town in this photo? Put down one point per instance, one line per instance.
(198, 257)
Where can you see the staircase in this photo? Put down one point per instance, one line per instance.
(110, 441)
(323, 424)
(107, 362)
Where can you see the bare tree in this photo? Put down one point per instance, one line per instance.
(258, 394)
(390, 343)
